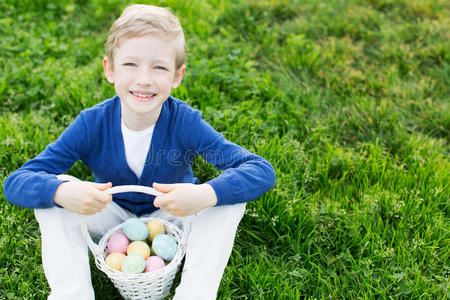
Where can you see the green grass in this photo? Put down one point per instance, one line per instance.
(349, 100)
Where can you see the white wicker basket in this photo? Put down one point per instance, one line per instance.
(151, 285)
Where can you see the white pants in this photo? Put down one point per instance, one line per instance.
(66, 261)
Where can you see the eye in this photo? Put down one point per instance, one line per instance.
(129, 64)
(161, 68)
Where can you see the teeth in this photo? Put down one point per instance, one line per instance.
(143, 95)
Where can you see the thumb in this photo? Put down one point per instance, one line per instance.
(165, 188)
(101, 186)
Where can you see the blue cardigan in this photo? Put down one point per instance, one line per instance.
(180, 134)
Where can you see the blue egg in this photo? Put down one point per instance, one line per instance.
(164, 246)
(135, 229)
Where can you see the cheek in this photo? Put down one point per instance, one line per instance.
(165, 80)
(123, 80)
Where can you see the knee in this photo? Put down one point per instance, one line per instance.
(225, 213)
(56, 216)
(237, 210)
(43, 214)
(240, 207)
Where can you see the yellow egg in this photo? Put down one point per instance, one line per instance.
(114, 260)
(140, 248)
(154, 227)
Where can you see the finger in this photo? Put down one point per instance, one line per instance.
(160, 203)
(97, 203)
(91, 211)
(101, 196)
(163, 200)
(165, 188)
(174, 211)
(90, 207)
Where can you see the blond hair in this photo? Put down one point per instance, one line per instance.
(138, 20)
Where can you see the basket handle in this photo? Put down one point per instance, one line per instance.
(133, 188)
(95, 249)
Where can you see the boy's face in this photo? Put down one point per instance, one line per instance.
(143, 74)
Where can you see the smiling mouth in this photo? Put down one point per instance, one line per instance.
(143, 95)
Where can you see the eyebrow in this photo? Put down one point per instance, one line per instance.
(158, 60)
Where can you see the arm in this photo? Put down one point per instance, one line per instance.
(35, 184)
(246, 176)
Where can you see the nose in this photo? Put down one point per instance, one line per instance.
(145, 78)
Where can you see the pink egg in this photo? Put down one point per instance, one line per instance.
(118, 243)
(154, 263)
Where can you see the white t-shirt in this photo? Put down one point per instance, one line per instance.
(136, 145)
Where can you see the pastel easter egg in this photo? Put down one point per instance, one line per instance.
(164, 246)
(114, 260)
(154, 263)
(140, 248)
(133, 264)
(135, 229)
(154, 227)
(118, 242)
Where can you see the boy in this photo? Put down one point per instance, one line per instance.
(141, 136)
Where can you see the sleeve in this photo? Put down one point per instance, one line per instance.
(35, 183)
(245, 176)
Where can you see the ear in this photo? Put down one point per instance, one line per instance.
(179, 73)
(107, 67)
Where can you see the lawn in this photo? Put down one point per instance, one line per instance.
(349, 101)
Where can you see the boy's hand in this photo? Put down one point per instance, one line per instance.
(184, 199)
(83, 197)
